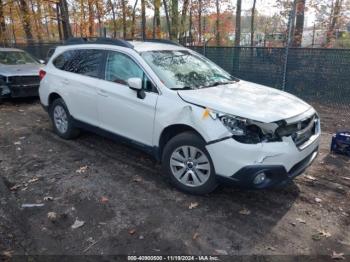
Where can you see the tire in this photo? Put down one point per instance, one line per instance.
(62, 121)
(192, 172)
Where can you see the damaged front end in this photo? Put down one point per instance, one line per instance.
(249, 131)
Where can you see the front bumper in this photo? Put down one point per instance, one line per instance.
(239, 163)
(275, 175)
(24, 90)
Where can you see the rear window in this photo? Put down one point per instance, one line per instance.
(85, 62)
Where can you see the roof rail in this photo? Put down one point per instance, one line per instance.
(160, 41)
(97, 40)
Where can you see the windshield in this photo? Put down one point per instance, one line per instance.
(16, 58)
(180, 70)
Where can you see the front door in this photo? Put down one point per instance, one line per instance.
(119, 108)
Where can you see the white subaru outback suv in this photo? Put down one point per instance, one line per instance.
(204, 125)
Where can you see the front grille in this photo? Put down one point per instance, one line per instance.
(24, 80)
(300, 131)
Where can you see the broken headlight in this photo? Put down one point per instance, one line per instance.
(243, 130)
(237, 126)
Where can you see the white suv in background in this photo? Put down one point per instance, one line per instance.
(204, 125)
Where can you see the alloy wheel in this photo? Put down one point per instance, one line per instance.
(190, 166)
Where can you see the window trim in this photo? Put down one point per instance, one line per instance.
(155, 89)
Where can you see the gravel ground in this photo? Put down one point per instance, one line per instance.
(127, 207)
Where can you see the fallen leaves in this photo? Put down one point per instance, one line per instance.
(25, 184)
(104, 200)
(300, 220)
(52, 216)
(193, 205)
(318, 200)
(48, 198)
(82, 170)
(337, 256)
(320, 234)
(137, 179)
(221, 252)
(77, 224)
(34, 179)
(132, 231)
(245, 212)
(15, 187)
(311, 178)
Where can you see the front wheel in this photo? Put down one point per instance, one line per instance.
(188, 164)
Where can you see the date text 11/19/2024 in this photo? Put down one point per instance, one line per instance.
(173, 258)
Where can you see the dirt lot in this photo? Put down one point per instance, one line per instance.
(129, 208)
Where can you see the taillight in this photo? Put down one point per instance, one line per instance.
(42, 74)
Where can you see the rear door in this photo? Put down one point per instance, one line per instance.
(82, 74)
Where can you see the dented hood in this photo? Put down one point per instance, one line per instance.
(248, 100)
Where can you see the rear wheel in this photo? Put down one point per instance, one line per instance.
(62, 120)
(188, 164)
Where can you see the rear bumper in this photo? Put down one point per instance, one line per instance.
(276, 175)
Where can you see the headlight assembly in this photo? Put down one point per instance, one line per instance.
(236, 126)
(243, 130)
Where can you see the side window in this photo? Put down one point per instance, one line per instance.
(120, 68)
(85, 62)
(90, 62)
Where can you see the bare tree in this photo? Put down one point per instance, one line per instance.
(64, 18)
(334, 24)
(156, 22)
(143, 19)
(59, 22)
(25, 17)
(167, 18)
(238, 23)
(252, 29)
(218, 23)
(111, 6)
(3, 37)
(183, 18)
(37, 23)
(124, 18)
(200, 21)
(133, 20)
(91, 18)
(299, 24)
(174, 18)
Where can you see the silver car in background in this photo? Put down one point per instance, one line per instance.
(19, 73)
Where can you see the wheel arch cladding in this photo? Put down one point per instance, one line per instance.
(53, 97)
(173, 130)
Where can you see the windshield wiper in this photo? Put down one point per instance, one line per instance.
(220, 83)
(183, 88)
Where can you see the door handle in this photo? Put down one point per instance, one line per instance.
(103, 93)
